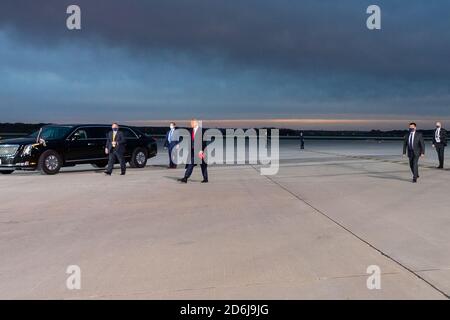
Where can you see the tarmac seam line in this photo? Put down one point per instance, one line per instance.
(411, 271)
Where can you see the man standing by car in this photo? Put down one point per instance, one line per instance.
(171, 143)
(115, 148)
(439, 143)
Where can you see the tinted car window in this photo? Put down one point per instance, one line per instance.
(91, 133)
(97, 132)
(80, 134)
(54, 133)
(128, 133)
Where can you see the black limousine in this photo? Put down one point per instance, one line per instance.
(56, 146)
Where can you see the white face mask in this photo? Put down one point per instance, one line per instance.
(172, 127)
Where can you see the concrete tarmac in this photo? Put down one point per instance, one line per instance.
(309, 232)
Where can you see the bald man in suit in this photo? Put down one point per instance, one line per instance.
(439, 143)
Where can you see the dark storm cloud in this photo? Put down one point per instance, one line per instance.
(296, 36)
(222, 58)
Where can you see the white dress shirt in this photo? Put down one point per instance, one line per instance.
(438, 135)
(411, 140)
(171, 135)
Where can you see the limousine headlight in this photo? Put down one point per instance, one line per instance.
(27, 150)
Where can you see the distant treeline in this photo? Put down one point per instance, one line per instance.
(19, 129)
(315, 133)
(24, 128)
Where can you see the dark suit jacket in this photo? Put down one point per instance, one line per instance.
(166, 141)
(198, 140)
(442, 136)
(199, 137)
(418, 144)
(120, 139)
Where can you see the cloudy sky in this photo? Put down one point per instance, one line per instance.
(300, 62)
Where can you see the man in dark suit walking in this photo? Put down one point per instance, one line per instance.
(414, 144)
(115, 148)
(197, 153)
(171, 143)
(439, 143)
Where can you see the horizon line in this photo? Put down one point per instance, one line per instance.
(301, 122)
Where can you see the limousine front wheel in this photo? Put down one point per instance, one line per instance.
(50, 162)
(139, 158)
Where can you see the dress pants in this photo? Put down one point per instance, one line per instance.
(113, 157)
(440, 149)
(414, 163)
(190, 168)
(170, 148)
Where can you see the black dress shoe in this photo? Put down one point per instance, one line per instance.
(107, 173)
(122, 174)
(205, 181)
(183, 180)
(414, 180)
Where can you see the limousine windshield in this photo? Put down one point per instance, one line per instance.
(52, 132)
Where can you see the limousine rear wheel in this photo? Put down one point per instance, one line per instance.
(50, 162)
(6, 171)
(138, 158)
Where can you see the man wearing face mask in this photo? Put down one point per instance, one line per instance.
(439, 143)
(171, 143)
(115, 148)
(414, 144)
